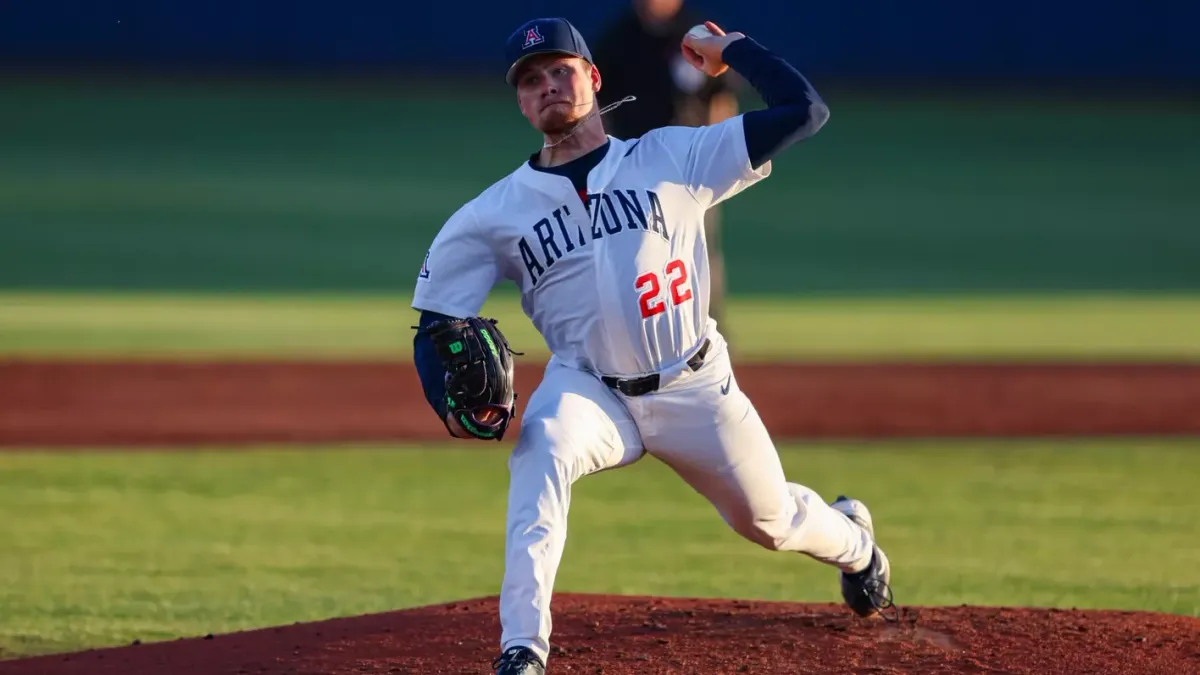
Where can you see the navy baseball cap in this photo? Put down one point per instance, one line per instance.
(543, 36)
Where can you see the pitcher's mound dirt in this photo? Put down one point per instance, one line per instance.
(628, 635)
(165, 403)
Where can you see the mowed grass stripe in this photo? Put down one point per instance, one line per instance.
(1061, 327)
(104, 548)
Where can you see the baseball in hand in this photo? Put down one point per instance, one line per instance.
(702, 47)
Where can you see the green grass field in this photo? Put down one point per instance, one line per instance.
(287, 187)
(1067, 327)
(105, 548)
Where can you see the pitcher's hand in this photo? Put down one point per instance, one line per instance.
(704, 53)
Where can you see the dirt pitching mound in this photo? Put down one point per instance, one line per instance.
(619, 635)
(167, 403)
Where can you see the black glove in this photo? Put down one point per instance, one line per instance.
(479, 374)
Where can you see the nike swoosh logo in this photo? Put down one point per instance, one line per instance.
(725, 389)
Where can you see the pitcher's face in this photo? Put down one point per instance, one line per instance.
(555, 91)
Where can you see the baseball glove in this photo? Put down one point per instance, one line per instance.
(479, 374)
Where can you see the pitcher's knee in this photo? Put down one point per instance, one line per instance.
(544, 450)
(765, 533)
(772, 532)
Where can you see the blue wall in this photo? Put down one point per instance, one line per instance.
(946, 39)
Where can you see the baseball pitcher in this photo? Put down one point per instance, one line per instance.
(605, 240)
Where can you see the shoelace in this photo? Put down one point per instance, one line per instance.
(879, 594)
(516, 657)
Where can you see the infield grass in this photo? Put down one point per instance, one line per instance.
(1056, 327)
(105, 548)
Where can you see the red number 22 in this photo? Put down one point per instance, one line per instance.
(649, 300)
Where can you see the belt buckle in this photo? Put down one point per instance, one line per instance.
(638, 386)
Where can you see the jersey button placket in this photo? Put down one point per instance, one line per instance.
(585, 216)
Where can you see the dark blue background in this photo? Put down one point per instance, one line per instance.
(955, 40)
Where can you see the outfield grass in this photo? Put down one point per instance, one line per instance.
(104, 548)
(287, 186)
(1159, 327)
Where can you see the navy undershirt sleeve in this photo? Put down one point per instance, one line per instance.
(795, 111)
(429, 364)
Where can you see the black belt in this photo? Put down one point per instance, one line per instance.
(637, 386)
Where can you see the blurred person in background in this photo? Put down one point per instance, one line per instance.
(639, 56)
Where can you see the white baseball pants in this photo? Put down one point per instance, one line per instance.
(702, 426)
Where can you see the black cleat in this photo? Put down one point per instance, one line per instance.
(868, 592)
(518, 661)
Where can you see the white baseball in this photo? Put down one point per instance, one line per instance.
(700, 31)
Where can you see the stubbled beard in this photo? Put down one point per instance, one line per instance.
(560, 122)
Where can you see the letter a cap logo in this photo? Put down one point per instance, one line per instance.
(533, 37)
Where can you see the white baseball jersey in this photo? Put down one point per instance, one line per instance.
(617, 286)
